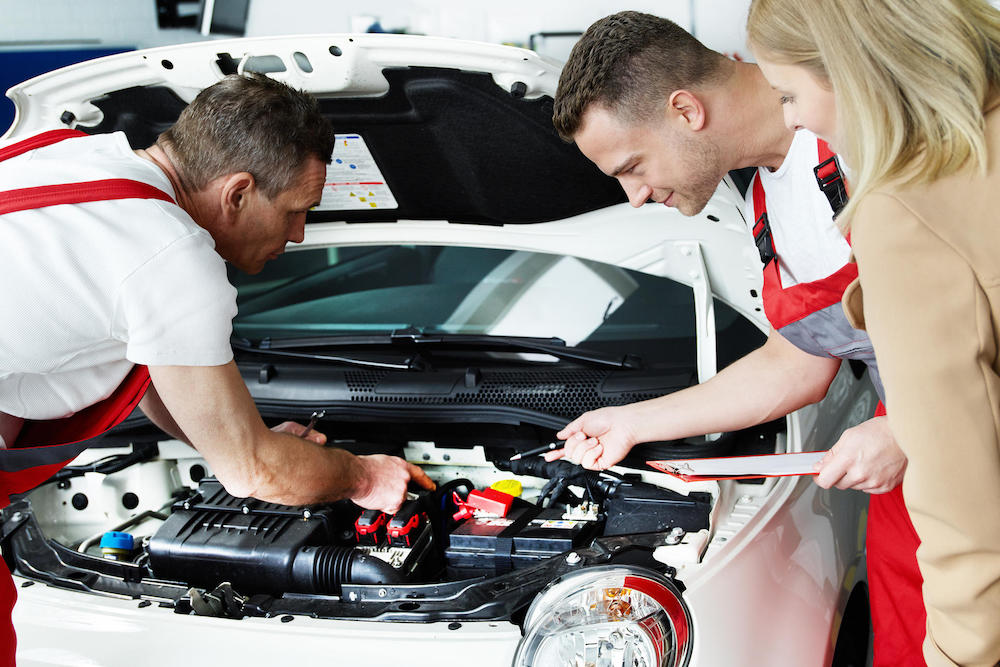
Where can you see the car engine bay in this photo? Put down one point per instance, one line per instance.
(149, 521)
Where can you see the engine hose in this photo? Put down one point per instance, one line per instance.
(536, 466)
(323, 570)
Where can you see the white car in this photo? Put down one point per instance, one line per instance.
(468, 285)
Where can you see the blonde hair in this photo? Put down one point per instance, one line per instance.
(911, 79)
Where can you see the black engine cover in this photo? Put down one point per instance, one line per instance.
(261, 547)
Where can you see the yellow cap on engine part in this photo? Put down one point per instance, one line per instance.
(511, 486)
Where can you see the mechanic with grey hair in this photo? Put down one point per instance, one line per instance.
(112, 262)
(653, 107)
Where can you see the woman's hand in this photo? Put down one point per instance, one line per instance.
(597, 439)
(866, 458)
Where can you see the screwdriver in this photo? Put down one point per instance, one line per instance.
(538, 450)
(316, 416)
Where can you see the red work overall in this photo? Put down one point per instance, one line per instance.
(43, 447)
(810, 315)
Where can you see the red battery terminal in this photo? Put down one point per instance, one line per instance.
(370, 527)
(491, 502)
(401, 526)
(402, 535)
(465, 510)
(488, 502)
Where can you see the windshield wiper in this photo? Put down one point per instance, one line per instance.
(555, 347)
(415, 362)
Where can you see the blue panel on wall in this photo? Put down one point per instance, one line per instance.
(18, 66)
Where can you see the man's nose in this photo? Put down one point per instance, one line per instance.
(298, 231)
(638, 193)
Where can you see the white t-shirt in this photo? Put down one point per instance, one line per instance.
(807, 241)
(86, 290)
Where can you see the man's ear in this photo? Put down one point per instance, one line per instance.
(233, 191)
(686, 109)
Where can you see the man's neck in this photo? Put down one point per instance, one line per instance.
(191, 202)
(751, 127)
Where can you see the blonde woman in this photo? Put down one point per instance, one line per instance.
(908, 92)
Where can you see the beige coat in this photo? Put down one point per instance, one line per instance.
(929, 264)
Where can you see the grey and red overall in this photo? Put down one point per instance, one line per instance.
(811, 317)
(44, 447)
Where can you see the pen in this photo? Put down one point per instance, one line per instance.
(316, 416)
(537, 450)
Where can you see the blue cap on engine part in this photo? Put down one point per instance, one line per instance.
(116, 540)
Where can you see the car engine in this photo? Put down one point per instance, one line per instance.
(455, 532)
(143, 517)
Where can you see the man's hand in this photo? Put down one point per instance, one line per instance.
(298, 429)
(384, 480)
(597, 439)
(866, 458)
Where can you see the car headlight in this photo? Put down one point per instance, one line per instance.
(606, 616)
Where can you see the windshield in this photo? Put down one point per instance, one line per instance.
(484, 291)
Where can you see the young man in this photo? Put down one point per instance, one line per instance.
(668, 117)
(113, 260)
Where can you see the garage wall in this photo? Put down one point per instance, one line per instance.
(719, 23)
(116, 24)
(112, 24)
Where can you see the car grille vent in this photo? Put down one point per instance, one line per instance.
(363, 381)
(560, 393)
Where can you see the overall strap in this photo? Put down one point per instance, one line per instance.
(107, 189)
(24, 199)
(785, 305)
(762, 237)
(829, 178)
(38, 141)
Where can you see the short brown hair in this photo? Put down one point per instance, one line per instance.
(248, 123)
(630, 63)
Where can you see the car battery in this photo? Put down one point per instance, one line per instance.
(527, 535)
(548, 535)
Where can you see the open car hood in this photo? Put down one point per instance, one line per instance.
(437, 129)
(433, 131)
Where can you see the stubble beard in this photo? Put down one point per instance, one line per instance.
(705, 171)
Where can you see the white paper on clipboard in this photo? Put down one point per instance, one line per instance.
(766, 465)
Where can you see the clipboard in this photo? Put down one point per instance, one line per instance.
(740, 467)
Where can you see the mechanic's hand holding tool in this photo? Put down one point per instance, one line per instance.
(307, 432)
(866, 458)
(384, 478)
(597, 439)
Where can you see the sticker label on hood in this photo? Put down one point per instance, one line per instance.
(353, 180)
